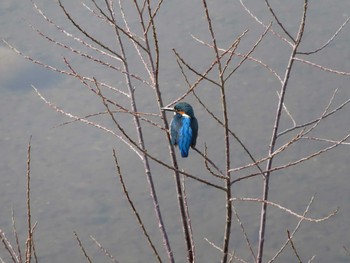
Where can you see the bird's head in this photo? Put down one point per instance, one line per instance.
(182, 108)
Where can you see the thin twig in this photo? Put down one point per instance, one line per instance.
(8, 247)
(231, 255)
(328, 42)
(293, 246)
(262, 24)
(207, 160)
(28, 253)
(86, 33)
(341, 106)
(259, 62)
(82, 248)
(189, 218)
(136, 213)
(245, 57)
(104, 250)
(278, 21)
(15, 233)
(51, 105)
(314, 220)
(294, 231)
(244, 232)
(322, 67)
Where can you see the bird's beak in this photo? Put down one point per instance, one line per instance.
(167, 109)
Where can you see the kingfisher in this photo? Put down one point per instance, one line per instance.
(183, 127)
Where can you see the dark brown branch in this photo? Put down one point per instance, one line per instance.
(328, 42)
(293, 247)
(278, 21)
(82, 248)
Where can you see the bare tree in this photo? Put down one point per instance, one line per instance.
(143, 41)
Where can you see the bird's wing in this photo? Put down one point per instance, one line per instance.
(185, 136)
(175, 126)
(194, 127)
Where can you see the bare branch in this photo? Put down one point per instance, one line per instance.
(104, 250)
(188, 218)
(314, 220)
(79, 40)
(324, 116)
(259, 62)
(15, 233)
(202, 76)
(287, 111)
(263, 25)
(51, 105)
(244, 232)
(207, 160)
(29, 241)
(293, 247)
(136, 213)
(8, 247)
(220, 249)
(278, 21)
(328, 42)
(306, 158)
(82, 248)
(86, 33)
(322, 67)
(294, 231)
(245, 57)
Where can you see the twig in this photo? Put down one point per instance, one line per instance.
(287, 111)
(51, 105)
(188, 218)
(136, 213)
(315, 120)
(244, 232)
(28, 252)
(262, 24)
(82, 248)
(68, 34)
(294, 231)
(306, 158)
(84, 32)
(15, 233)
(293, 247)
(220, 249)
(328, 42)
(245, 57)
(314, 220)
(207, 160)
(278, 21)
(104, 250)
(312, 258)
(8, 247)
(322, 67)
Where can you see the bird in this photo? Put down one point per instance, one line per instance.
(183, 127)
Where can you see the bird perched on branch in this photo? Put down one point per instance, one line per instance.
(183, 127)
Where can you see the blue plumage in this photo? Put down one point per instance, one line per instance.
(183, 127)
